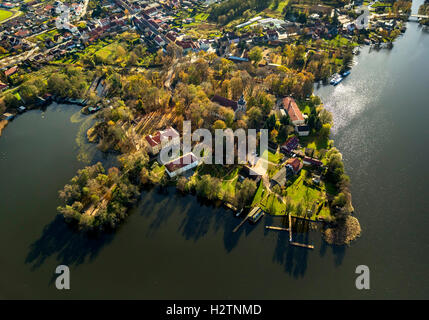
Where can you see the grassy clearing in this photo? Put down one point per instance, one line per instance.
(46, 35)
(108, 50)
(275, 158)
(315, 142)
(230, 181)
(5, 14)
(260, 192)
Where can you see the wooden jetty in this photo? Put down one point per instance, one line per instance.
(276, 228)
(302, 245)
(241, 223)
(252, 213)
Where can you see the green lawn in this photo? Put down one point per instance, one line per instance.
(230, 181)
(201, 17)
(315, 142)
(275, 158)
(4, 14)
(280, 6)
(309, 196)
(258, 195)
(106, 51)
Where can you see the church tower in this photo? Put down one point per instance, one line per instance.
(241, 104)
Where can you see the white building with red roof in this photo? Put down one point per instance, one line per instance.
(293, 111)
(162, 139)
(181, 165)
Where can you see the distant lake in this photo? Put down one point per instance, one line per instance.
(177, 247)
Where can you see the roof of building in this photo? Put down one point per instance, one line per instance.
(292, 109)
(239, 59)
(313, 161)
(181, 162)
(167, 134)
(295, 163)
(225, 102)
(280, 177)
(291, 143)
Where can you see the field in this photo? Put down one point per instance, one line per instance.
(108, 50)
(4, 14)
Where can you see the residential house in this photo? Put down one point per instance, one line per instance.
(294, 165)
(280, 177)
(293, 111)
(302, 130)
(162, 139)
(290, 145)
(312, 162)
(11, 71)
(181, 165)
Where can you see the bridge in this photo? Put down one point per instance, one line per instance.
(419, 16)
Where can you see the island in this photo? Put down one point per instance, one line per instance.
(141, 70)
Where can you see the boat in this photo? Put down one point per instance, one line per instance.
(336, 79)
(94, 109)
(346, 73)
(21, 109)
(256, 214)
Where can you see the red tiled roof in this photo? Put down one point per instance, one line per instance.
(181, 162)
(22, 33)
(313, 161)
(295, 163)
(11, 71)
(291, 143)
(159, 136)
(292, 109)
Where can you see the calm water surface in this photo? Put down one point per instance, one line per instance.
(174, 246)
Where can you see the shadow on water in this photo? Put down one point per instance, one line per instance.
(69, 247)
(198, 218)
(338, 252)
(293, 259)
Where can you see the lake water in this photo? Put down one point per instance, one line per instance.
(176, 247)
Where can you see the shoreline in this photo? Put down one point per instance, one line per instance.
(3, 124)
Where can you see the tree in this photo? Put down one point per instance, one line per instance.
(270, 123)
(132, 59)
(325, 130)
(273, 134)
(245, 193)
(325, 116)
(219, 124)
(255, 55)
(299, 209)
(181, 184)
(227, 114)
(254, 115)
(11, 101)
(340, 200)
